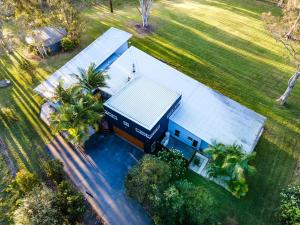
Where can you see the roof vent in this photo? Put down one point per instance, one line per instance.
(133, 68)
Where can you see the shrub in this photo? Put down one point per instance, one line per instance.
(26, 181)
(230, 165)
(176, 162)
(71, 202)
(69, 43)
(38, 208)
(289, 211)
(169, 202)
(146, 181)
(54, 169)
(171, 212)
(9, 114)
(198, 205)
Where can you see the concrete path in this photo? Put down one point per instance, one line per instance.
(99, 174)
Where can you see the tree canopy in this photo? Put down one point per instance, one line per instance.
(230, 165)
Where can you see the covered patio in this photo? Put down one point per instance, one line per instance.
(172, 143)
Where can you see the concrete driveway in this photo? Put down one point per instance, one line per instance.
(99, 173)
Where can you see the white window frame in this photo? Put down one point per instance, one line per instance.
(111, 115)
(147, 135)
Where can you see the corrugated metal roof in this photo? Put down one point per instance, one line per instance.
(97, 52)
(203, 111)
(46, 35)
(143, 101)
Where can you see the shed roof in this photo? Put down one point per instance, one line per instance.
(97, 52)
(46, 35)
(143, 101)
(204, 112)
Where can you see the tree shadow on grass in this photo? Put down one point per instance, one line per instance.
(26, 138)
(249, 80)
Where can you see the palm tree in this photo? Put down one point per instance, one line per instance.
(91, 79)
(231, 165)
(69, 95)
(77, 117)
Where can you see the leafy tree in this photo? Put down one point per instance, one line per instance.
(289, 211)
(286, 30)
(38, 208)
(198, 205)
(91, 79)
(54, 169)
(26, 181)
(231, 165)
(172, 210)
(70, 202)
(175, 160)
(146, 181)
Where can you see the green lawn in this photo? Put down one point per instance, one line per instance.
(221, 43)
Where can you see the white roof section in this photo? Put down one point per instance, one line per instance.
(97, 52)
(204, 112)
(143, 101)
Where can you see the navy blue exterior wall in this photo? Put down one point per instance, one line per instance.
(139, 132)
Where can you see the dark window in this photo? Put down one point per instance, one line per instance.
(190, 139)
(195, 143)
(177, 133)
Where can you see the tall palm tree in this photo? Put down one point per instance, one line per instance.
(231, 165)
(69, 95)
(91, 79)
(77, 117)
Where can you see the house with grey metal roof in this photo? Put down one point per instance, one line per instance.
(148, 98)
(203, 115)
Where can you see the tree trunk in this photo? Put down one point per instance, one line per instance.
(145, 7)
(289, 33)
(291, 84)
(280, 3)
(145, 21)
(111, 6)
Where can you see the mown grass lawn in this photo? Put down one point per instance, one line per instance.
(221, 43)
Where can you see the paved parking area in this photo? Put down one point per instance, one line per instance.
(99, 173)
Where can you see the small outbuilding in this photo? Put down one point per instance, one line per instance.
(46, 38)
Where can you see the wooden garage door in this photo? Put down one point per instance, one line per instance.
(136, 142)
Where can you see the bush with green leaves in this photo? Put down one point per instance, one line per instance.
(69, 43)
(39, 207)
(71, 202)
(230, 165)
(25, 181)
(169, 202)
(175, 160)
(146, 181)
(198, 206)
(289, 211)
(9, 114)
(54, 169)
